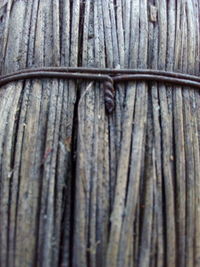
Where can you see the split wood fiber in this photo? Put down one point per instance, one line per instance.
(78, 187)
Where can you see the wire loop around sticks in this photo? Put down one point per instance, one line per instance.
(107, 76)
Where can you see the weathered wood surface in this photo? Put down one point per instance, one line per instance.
(78, 188)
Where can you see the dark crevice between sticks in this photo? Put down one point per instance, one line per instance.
(73, 174)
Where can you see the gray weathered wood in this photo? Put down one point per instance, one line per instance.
(78, 187)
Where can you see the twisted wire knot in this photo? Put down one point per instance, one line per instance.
(109, 93)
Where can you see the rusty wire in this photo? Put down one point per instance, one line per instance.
(107, 76)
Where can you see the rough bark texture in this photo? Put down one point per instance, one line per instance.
(79, 188)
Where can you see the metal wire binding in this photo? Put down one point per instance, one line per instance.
(107, 76)
(109, 93)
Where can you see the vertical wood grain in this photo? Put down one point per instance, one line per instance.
(79, 187)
